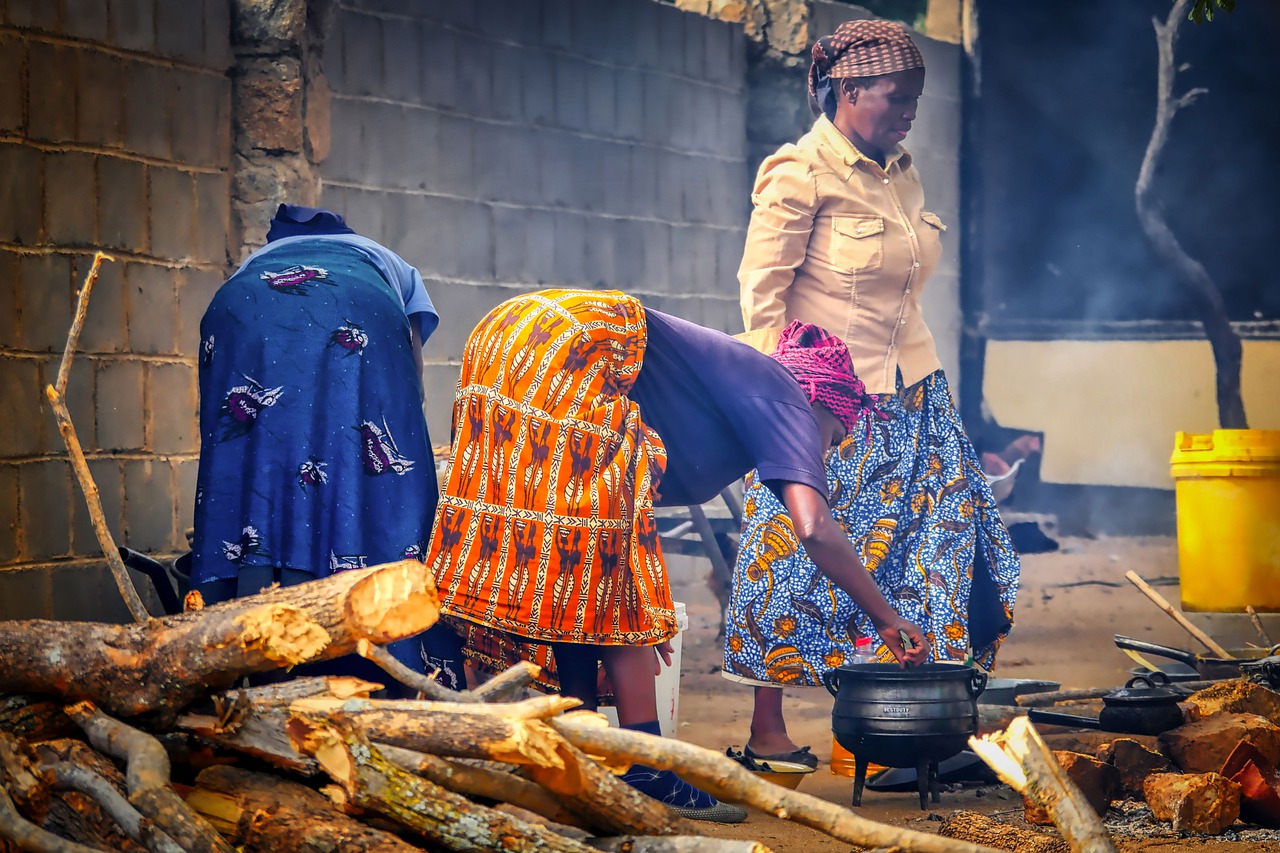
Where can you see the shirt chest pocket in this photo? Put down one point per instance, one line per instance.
(857, 243)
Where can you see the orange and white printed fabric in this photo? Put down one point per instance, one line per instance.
(545, 529)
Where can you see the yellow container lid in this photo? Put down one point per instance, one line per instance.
(1245, 452)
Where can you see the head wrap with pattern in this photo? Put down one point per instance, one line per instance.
(858, 49)
(820, 362)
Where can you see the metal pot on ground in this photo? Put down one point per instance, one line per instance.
(915, 717)
(1148, 709)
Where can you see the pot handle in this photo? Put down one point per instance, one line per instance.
(831, 680)
(1151, 679)
(977, 682)
(1181, 655)
(1055, 718)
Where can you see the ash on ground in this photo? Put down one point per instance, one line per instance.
(1132, 819)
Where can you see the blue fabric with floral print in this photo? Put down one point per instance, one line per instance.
(315, 454)
(909, 492)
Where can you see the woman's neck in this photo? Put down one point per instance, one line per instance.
(865, 148)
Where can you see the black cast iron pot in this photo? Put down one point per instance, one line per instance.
(903, 717)
(1138, 710)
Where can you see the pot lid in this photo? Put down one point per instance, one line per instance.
(1154, 691)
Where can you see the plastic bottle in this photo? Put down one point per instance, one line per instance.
(842, 760)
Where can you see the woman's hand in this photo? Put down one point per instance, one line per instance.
(892, 631)
(665, 652)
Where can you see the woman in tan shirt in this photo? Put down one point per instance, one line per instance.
(840, 237)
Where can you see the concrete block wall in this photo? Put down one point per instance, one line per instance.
(507, 145)
(114, 135)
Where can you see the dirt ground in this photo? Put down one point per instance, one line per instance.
(1070, 604)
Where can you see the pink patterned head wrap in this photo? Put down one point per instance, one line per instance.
(820, 362)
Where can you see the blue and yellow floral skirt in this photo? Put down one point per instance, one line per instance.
(911, 495)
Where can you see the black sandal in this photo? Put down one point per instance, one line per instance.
(796, 756)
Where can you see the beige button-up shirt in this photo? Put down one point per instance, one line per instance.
(839, 242)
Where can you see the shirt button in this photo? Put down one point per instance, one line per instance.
(910, 233)
(903, 322)
(916, 265)
(908, 290)
(886, 180)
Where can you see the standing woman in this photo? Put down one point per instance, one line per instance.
(840, 237)
(314, 454)
(578, 412)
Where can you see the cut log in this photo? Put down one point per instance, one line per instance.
(34, 717)
(1023, 762)
(500, 732)
(726, 779)
(472, 781)
(258, 812)
(109, 802)
(603, 800)
(252, 720)
(980, 829)
(442, 817)
(1097, 780)
(147, 776)
(163, 664)
(508, 683)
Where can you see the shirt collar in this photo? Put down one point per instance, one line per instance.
(849, 153)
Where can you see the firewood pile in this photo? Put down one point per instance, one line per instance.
(1215, 774)
(141, 737)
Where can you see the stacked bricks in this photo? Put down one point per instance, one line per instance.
(114, 135)
(502, 146)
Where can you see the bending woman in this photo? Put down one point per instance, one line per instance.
(314, 454)
(577, 412)
(840, 236)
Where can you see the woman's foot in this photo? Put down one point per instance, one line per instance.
(672, 791)
(787, 751)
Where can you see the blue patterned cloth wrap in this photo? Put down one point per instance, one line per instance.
(909, 491)
(314, 448)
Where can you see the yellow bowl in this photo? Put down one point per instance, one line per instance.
(785, 773)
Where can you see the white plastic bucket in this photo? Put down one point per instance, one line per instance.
(667, 684)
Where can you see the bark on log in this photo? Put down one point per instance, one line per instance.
(1023, 762)
(726, 779)
(442, 817)
(501, 686)
(28, 836)
(473, 781)
(162, 664)
(110, 802)
(603, 800)
(20, 775)
(258, 812)
(34, 717)
(500, 732)
(641, 843)
(147, 776)
(252, 720)
(74, 816)
(980, 829)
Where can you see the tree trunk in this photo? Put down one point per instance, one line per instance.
(163, 664)
(258, 812)
(726, 779)
(442, 817)
(1227, 350)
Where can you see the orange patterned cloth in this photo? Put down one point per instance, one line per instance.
(545, 529)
